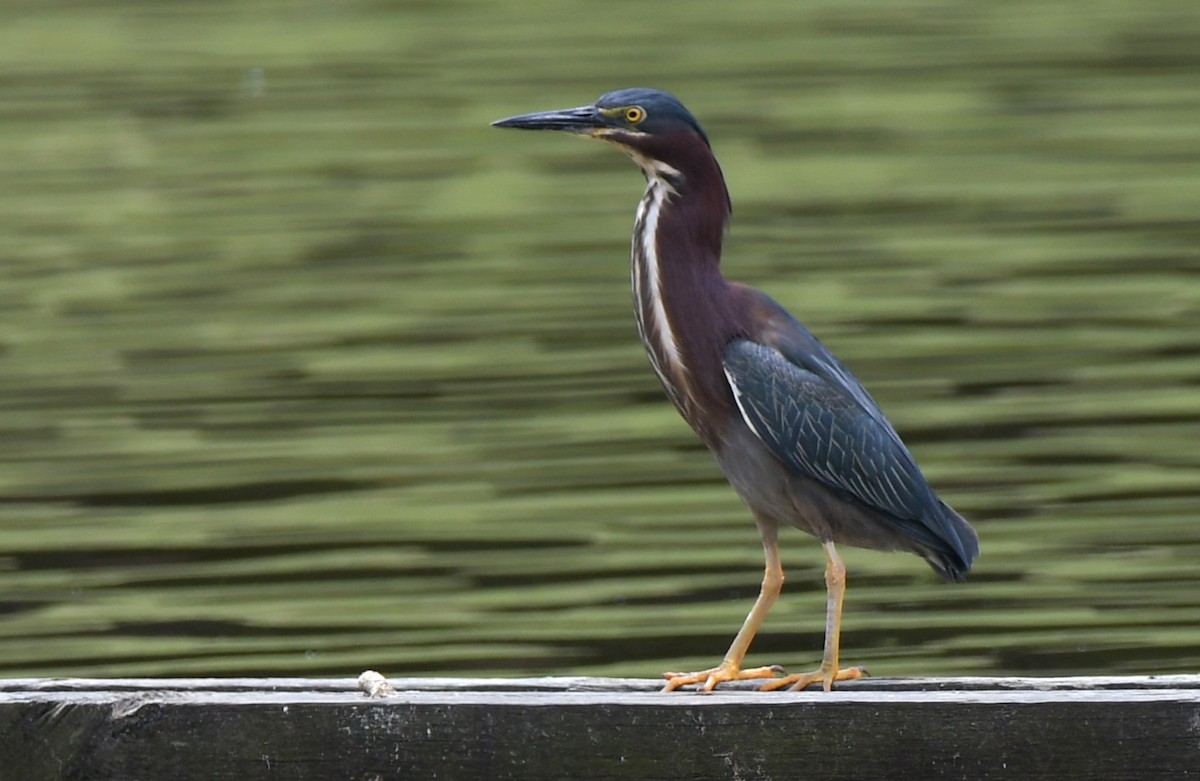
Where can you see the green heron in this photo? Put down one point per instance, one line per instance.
(796, 435)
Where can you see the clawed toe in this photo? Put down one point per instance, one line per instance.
(716, 675)
(826, 677)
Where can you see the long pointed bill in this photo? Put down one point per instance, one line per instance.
(585, 119)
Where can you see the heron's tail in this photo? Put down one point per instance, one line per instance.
(953, 561)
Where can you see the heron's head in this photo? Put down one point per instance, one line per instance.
(652, 126)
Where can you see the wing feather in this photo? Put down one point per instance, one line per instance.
(819, 421)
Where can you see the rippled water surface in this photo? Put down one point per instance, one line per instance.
(305, 369)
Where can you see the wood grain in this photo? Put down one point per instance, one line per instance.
(556, 728)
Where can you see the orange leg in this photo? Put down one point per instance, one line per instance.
(730, 668)
(828, 672)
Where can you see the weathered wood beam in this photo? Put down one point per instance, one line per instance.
(555, 728)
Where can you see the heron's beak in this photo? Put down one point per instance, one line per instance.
(585, 120)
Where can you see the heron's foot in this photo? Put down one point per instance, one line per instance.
(825, 675)
(719, 674)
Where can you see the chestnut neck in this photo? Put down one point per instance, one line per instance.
(686, 310)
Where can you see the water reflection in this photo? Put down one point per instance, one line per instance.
(318, 373)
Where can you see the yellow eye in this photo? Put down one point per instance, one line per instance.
(634, 115)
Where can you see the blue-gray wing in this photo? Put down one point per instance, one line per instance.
(820, 422)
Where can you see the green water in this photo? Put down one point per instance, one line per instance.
(305, 369)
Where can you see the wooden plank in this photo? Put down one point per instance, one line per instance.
(554, 728)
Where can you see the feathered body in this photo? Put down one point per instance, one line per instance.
(796, 434)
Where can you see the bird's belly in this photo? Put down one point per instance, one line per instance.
(777, 495)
